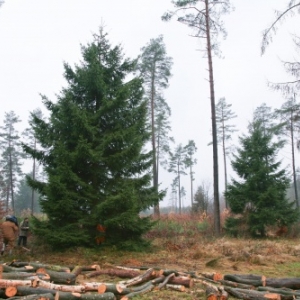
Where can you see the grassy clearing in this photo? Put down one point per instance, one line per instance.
(183, 243)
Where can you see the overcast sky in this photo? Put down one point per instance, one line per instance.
(37, 36)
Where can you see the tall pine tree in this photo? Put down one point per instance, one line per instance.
(98, 171)
(11, 157)
(155, 68)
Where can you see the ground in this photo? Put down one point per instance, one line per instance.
(275, 257)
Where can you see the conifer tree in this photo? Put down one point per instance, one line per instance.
(29, 137)
(288, 118)
(260, 194)
(23, 198)
(190, 161)
(155, 68)
(12, 155)
(224, 115)
(204, 17)
(203, 200)
(177, 165)
(93, 153)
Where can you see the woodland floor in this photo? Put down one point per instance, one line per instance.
(275, 257)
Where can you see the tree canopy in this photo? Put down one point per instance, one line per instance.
(93, 153)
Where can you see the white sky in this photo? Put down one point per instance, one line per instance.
(37, 36)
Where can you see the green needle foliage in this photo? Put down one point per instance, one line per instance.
(93, 154)
(261, 194)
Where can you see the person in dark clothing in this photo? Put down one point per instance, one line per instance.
(23, 233)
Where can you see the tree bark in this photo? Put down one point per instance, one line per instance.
(47, 296)
(4, 283)
(24, 276)
(175, 287)
(149, 274)
(114, 272)
(252, 295)
(59, 287)
(217, 217)
(84, 296)
(6, 268)
(36, 266)
(59, 277)
(79, 269)
(166, 280)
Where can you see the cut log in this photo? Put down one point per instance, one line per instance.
(59, 277)
(116, 289)
(6, 268)
(60, 287)
(92, 286)
(213, 276)
(2, 294)
(236, 284)
(252, 294)
(223, 294)
(79, 269)
(85, 296)
(212, 293)
(36, 266)
(149, 274)
(10, 291)
(135, 269)
(291, 283)
(175, 287)
(4, 283)
(254, 280)
(114, 272)
(187, 282)
(35, 297)
(281, 291)
(27, 290)
(24, 275)
(102, 287)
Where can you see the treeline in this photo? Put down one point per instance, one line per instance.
(96, 158)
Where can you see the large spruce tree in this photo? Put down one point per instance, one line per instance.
(260, 195)
(98, 171)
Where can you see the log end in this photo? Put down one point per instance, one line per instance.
(10, 291)
(101, 289)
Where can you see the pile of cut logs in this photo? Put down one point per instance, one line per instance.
(37, 281)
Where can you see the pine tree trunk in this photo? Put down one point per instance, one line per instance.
(217, 221)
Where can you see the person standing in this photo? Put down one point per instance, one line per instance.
(9, 229)
(24, 229)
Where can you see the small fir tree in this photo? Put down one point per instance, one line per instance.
(261, 194)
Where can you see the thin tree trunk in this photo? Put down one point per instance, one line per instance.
(225, 163)
(179, 188)
(293, 160)
(155, 181)
(217, 221)
(11, 183)
(192, 195)
(33, 178)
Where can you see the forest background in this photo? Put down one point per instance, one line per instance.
(39, 37)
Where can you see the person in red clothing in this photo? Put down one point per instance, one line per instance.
(9, 230)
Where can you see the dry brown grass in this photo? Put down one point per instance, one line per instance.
(188, 248)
